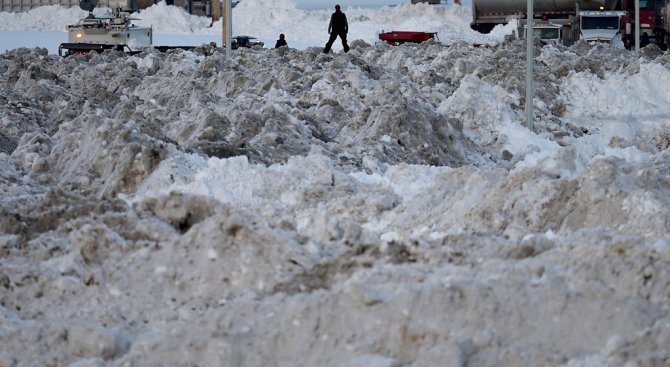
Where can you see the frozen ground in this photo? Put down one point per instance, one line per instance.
(384, 207)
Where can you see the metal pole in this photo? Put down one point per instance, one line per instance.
(224, 20)
(637, 26)
(229, 26)
(529, 65)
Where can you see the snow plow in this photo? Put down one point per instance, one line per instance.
(399, 37)
(108, 33)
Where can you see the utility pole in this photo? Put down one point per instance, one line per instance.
(529, 65)
(637, 26)
(227, 25)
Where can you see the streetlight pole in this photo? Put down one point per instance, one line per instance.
(227, 25)
(529, 65)
(637, 26)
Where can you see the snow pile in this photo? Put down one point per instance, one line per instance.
(44, 18)
(602, 99)
(382, 207)
(173, 20)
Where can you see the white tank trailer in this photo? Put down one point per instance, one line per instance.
(486, 14)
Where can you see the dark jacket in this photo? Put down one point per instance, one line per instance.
(338, 23)
(280, 43)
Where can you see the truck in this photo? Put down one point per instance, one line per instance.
(109, 33)
(592, 26)
(653, 22)
(98, 34)
(603, 27)
(489, 13)
(562, 18)
(547, 32)
(603, 21)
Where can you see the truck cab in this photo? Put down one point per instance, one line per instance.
(548, 33)
(602, 27)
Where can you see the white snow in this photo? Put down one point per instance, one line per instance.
(603, 98)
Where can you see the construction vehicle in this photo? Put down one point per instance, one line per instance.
(109, 33)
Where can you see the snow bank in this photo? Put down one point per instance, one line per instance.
(601, 97)
(168, 19)
(43, 18)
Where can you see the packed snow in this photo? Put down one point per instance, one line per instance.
(286, 207)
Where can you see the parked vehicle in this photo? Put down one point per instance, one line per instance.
(653, 21)
(603, 27)
(548, 32)
(244, 41)
(489, 13)
(109, 33)
(591, 20)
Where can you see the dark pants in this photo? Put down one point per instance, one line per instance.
(333, 36)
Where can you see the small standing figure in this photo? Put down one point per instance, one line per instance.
(338, 26)
(281, 42)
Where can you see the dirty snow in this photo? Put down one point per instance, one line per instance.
(385, 207)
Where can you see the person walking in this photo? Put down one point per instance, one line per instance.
(338, 26)
(281, 42)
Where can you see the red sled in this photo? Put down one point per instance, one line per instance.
(399, 37)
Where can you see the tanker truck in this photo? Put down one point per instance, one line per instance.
(558, 14)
